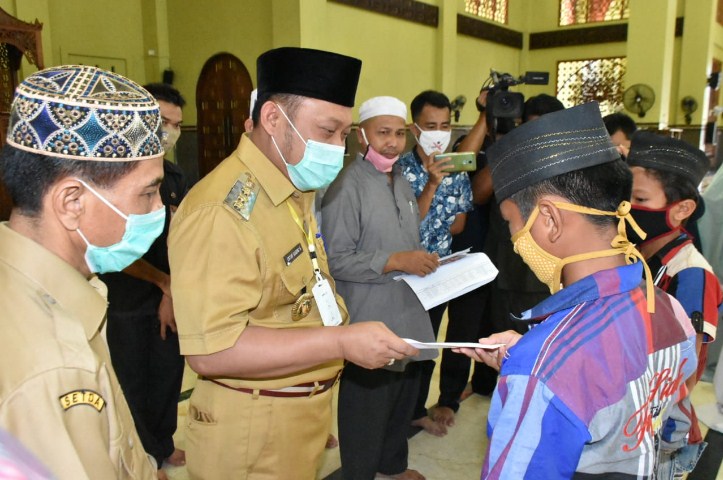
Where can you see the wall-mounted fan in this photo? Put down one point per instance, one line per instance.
(457, 105)
(639, 98)
(689, 105)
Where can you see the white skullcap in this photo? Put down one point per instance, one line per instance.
(382, 106)
(252, 103)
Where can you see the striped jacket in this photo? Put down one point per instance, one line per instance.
(584, 393)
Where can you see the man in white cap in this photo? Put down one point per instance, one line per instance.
(371, 230)
(83, 164)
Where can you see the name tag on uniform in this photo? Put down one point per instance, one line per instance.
(293, 254)
(326, 301)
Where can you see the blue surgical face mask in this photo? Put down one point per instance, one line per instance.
(318, 167)
(140, 233)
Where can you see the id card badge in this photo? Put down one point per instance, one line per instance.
(326, 302)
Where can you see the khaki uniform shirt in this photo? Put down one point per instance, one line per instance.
(238, 257)
(59, 395)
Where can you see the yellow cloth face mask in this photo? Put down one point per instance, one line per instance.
(548, 268)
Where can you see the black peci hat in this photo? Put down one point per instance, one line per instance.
(309, 73)
(556, 143)
(650, 150)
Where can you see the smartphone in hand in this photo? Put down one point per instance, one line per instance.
(459, 161)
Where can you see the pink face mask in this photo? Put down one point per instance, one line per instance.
(380, 162)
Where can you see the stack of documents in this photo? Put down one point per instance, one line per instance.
(457, 274)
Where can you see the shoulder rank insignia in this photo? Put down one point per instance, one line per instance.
(242, 196)
(82, 397)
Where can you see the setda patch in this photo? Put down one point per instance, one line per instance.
(82, 397)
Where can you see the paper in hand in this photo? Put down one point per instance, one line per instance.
(427, 345)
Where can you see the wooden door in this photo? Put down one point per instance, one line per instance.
(223, 93)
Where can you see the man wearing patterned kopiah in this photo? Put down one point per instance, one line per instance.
(83, 163)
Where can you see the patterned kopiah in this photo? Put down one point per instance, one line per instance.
(84, 113)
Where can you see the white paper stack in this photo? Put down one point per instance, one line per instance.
(457, 274)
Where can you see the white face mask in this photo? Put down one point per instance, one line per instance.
(170, 137)
(433, 140)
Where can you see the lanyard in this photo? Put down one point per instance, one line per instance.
(309, 241)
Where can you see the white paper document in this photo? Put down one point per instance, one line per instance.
(428, 345)
(457, 274)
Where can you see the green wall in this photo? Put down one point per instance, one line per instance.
(401, 58)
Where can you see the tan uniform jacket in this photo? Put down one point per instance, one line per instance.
(238, 258)
(59, 395)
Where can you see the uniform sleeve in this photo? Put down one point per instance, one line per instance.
(531, 431)
(698, 290)
(214, 259)
(84, 441)
(341, 228)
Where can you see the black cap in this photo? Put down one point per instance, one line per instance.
(650, 150)
(556, 143)
(310, 73)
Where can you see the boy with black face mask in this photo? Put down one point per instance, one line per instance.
(666, 173)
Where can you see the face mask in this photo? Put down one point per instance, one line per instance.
(170, 137)
(653, 221)
(318, 167)
(433, 140)
(548, 268)
(380, 162)
(140, 233)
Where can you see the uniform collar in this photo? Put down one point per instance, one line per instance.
(601, 284)
(56, 281)
(271, 179)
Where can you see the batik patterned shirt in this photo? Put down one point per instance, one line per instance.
(584, 393)
(453, 196)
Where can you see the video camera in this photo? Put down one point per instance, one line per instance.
(501, 103)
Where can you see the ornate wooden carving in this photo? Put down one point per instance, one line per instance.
(587, 36)
(405, 9)
(487, 31)
(25, 36)
(17, 38)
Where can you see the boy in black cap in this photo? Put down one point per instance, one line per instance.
(251, 286)
(586, 390)
(666, 174)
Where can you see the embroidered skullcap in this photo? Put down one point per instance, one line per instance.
(553, 144)
(84, 113)
(382, 106)
(658, 152)
(309, 73)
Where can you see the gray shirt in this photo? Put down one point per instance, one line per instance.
(365, 220)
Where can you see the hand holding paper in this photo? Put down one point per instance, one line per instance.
(427, 345)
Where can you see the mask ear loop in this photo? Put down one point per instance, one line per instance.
(103, 199)
(619, 244)
(290, 123)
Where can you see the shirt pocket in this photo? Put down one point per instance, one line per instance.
(294, 277)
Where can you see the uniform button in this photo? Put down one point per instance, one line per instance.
(130, 442)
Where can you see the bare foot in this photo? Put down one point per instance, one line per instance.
(177, 458)
(430, 426)
(466, 393)
(443, 415)
(406, 475)
(162, 475)
(331, 442)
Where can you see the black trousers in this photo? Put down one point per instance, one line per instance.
(150, 371)
(426, 367)
(468, 321)
(375, 409)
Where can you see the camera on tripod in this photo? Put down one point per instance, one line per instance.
(501, 103)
